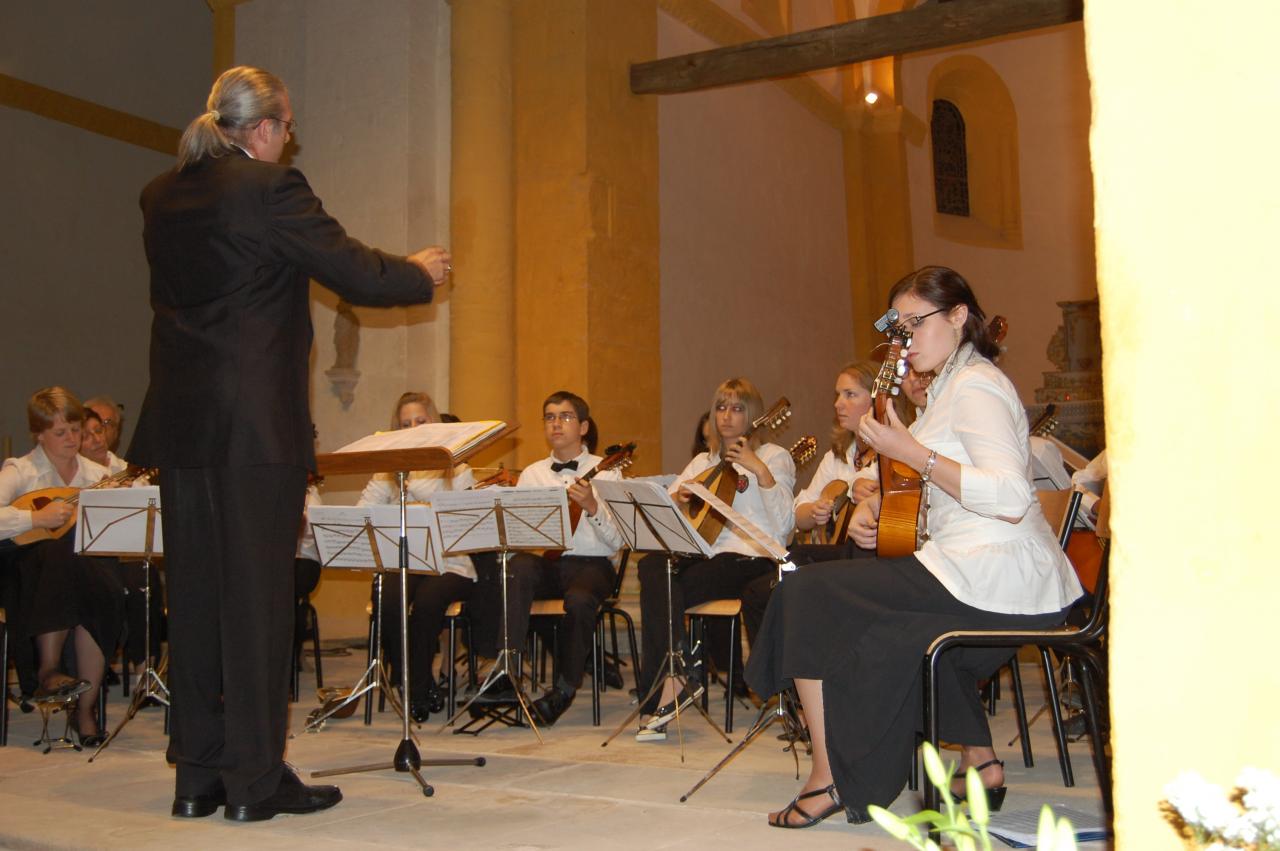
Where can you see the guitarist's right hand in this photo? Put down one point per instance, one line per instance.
(52, 516)
(820, 511)
(865, 523)
(682, 495)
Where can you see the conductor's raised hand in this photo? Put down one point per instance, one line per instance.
(435, 261)
(582, 493)
(52, 516)
(891, 438)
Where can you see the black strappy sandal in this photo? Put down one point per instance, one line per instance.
(784, 817)
(995, 795)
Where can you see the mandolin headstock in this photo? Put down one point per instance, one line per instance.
(803, 450)
(619, 456)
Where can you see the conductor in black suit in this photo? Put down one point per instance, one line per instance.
(232, 239)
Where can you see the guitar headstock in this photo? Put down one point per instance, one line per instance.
(888, 381)
(1047, 422)
(774, 417)
(619, 456)
(803, 450)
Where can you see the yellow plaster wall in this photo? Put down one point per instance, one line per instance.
(1186, 110)
(586, 220)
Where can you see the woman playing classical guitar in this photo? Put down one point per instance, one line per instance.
(767, 475)
(851, 635)
(63, 595)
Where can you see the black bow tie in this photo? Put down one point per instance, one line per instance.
(556, 466)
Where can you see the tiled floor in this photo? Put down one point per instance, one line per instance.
(567, 793)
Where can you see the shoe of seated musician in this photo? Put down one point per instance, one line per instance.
(658, 734)
(613, 677)
(666, 713)
(292, 796)
(552, 705)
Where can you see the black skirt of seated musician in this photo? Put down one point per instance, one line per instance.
(75, 600)
(861, 627)
(584, 582)
(430, 596)
(756, 594)
(697, 580)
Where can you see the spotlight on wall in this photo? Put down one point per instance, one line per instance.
(871, 98)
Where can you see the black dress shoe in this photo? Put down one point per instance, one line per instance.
(552, 705)
(292, 796)
(199, 806)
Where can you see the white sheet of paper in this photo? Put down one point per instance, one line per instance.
(342, 541)
(113, 521)
(748, 528)
(455, 437)
(671, 524)
(534, 519)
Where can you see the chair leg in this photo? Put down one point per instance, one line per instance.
(1055, 708)
(102, 707)
(1092, 684)
(368, 696)
(734, 644)
(451, 661)
(1020, 707)
(4, 674)
(597, 669)
(295, 671)
(314, 619)
(930, 690)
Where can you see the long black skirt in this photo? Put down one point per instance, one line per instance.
(62, 590)
(862, 627)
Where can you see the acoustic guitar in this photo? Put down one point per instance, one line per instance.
(722, 479)
(38, 499)
(803, 450)
(899, 484)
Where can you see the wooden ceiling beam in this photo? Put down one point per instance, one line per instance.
(925, 27)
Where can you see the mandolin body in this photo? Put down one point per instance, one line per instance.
(36, 500)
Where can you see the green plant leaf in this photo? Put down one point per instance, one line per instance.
(1045, 830)
(895, 826)
(976, 796)
(924, 817)
(938, 774)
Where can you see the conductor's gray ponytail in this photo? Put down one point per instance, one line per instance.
(240, 98)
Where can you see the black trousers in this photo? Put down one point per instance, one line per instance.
(697, 580)
(583, 581)
(229, 540)
(430, 596)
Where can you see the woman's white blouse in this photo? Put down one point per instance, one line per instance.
(381, 490)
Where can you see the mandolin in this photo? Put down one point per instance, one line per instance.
(36, 500)
(503, 478)
(617, 457)
(899, 484)
(722, 479)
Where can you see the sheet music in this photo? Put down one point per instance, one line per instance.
(751, 530)
(113, 521)
(533, 518)
(668, 520)
(343, 541)
(455, 437)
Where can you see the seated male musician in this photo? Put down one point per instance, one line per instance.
(583, 575)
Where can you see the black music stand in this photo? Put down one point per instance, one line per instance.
(407, 759)
(504, 519)
(650, 522)
(125, 522)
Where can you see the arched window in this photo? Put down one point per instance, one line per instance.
(950, 159)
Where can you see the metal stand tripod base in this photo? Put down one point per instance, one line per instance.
(502, 666)
(783, 710)
(406, 761)
(150, 685)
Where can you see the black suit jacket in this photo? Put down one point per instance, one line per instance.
(232, 242)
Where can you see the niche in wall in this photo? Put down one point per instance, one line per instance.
(970, 106)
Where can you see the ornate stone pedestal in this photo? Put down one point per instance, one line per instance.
(1076, 387)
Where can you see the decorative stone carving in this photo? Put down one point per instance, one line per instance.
(343, 375)
(1076, 387)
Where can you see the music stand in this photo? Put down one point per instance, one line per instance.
(784, 710)
(368, 538)
(126, 522)
(651, 522)
(502, 519)
(368, 456)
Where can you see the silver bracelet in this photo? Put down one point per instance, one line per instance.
(927, 473)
